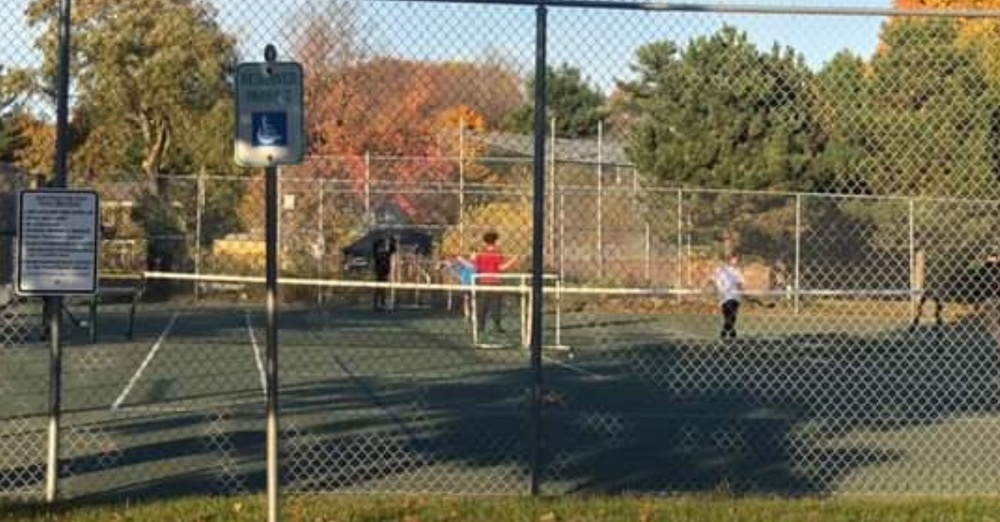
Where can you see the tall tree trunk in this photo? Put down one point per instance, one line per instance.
(154, 158)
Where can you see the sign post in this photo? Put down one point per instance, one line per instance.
(269, 133)
(58, 238)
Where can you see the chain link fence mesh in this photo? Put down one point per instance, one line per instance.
(22, 453)
(857, 174)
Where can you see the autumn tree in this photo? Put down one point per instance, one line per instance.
(15, 86)
(490, 88)
(404, 115)
(149, 77)
(35, 143)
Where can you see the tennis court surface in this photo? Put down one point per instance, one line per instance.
(639, 395)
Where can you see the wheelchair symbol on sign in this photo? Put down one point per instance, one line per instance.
(269, 129)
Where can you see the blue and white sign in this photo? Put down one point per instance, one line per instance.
(270, 129)
(269, 114)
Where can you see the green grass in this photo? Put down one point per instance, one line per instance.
(503, 509)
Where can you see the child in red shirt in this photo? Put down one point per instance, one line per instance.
(490, 262)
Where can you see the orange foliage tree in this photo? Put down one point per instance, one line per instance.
(401, 116)
(983, 33)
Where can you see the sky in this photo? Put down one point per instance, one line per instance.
(601, 43)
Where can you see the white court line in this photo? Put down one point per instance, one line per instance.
(149, 357)
(256, 355)
(577, 369)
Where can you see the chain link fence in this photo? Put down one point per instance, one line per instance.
(22, 453)
(857, 174)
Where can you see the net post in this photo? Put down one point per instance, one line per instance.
(559, 343)
(136, 298)
(525, 298)
(473, 310)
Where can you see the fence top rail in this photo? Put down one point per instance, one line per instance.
(725, 8)
(470, 187)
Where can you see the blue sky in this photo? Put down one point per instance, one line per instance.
(601, 43)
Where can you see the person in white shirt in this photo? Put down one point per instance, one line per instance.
(728, 281)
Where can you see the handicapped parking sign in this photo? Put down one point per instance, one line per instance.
(270, 129)
(270, 119)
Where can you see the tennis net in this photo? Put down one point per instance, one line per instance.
(565, 306)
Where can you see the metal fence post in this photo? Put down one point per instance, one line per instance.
(199, 215)
(368, 187)
(321, 239)
(562, 234)
(914, 283)
(798, 251)
(552, 180)
(680, 239)
(54, 305)
(600, 200)
(461, 185)
(538, 251)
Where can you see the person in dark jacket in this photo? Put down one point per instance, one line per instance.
(980, 287)
(383, 250)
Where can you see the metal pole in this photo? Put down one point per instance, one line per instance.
(600, 200)
(461, 185)
(552, 179)
(53, 305)
(680, 238)
(321, 249)
(913, 262)
(798, 250)
(368, 187)
(538, 250)
(199, 214)
(562, 234)
(646, 254)
(271, 349)
(689, 273)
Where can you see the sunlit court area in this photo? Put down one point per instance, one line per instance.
(525, 252)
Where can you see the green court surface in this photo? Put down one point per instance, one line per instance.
(404, 401)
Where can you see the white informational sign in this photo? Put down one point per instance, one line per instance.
(58, 239)
(269, 114)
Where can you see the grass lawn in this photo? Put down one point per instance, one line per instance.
(331, 508)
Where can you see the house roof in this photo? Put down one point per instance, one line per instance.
(584, 150)
(406, 236)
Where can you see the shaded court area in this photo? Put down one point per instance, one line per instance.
(648, 400)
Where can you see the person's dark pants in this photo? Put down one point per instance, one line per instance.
(730, 309)
(380, 296)
(489, 304)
